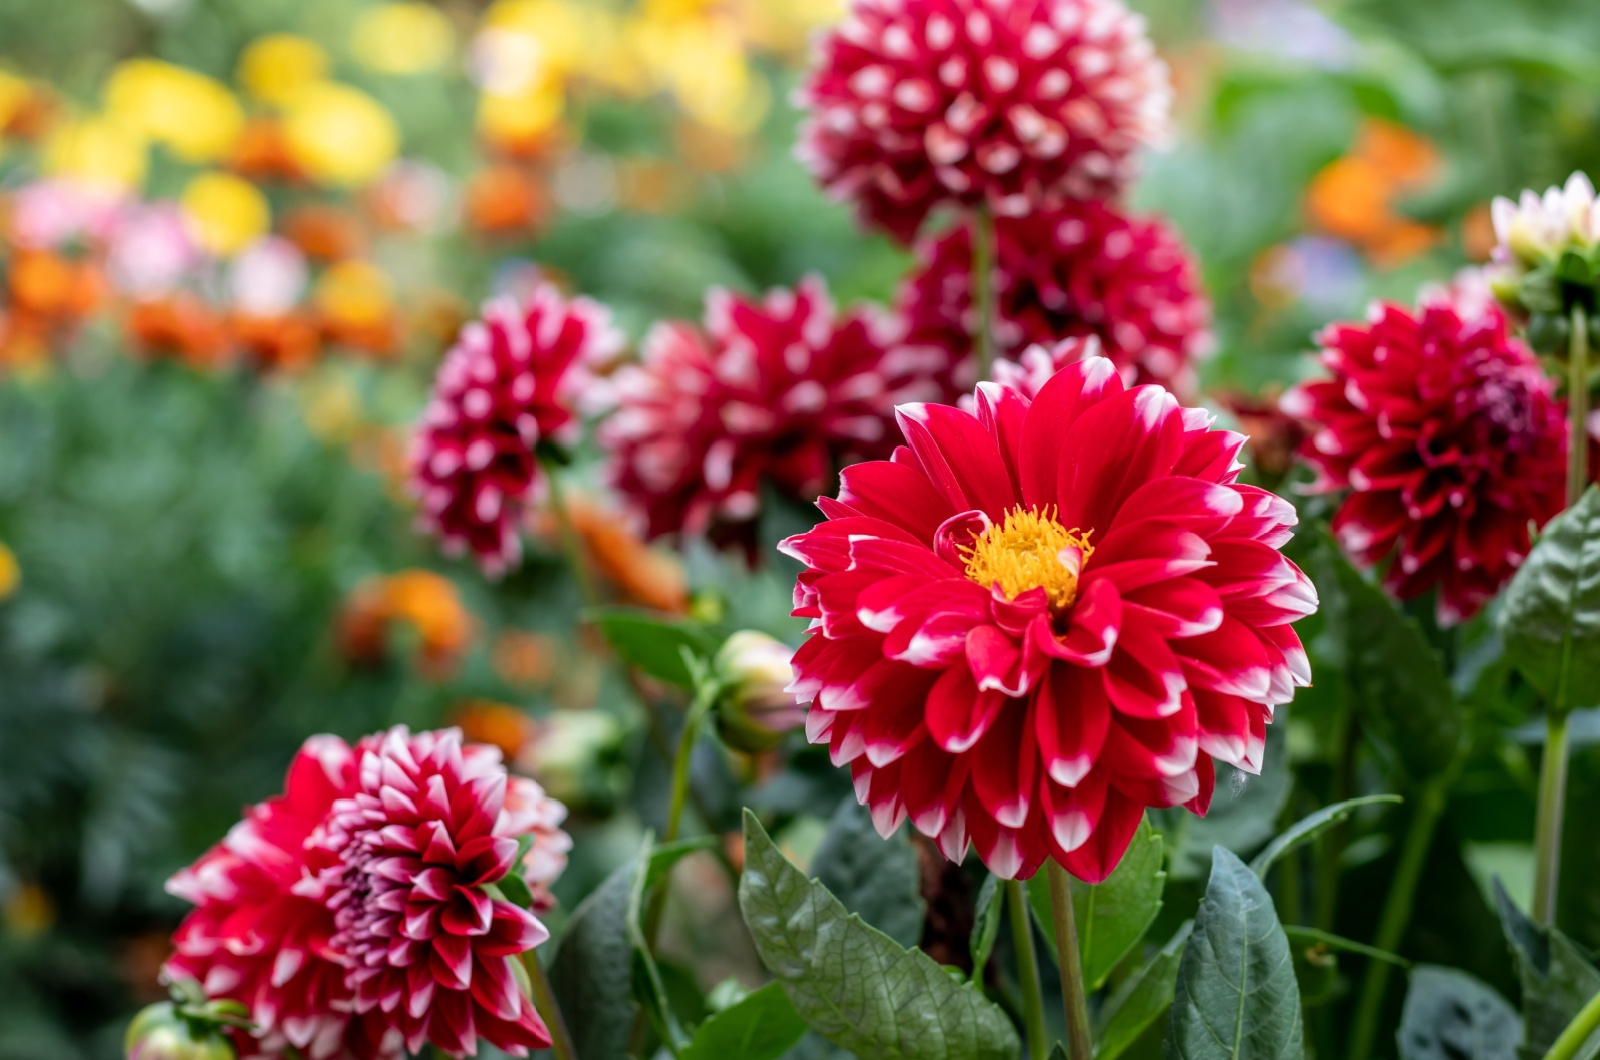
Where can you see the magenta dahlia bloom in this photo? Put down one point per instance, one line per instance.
(780, 390)
(509, 382)
(1084, 269)
(1039, 619)
(1018, 107)
(1447, 436)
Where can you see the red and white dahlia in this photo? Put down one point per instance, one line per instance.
(509, 382)
(1084, 269)
(781, 390)
(916, 103)
(406, 865)
(1447, 436)
(1040, 618)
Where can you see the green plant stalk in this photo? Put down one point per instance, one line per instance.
(1577, 406)
(1027, 968)
(544, 1000)
(1074, 1002)
(1397, 910)
(1547, 830)
(1331, 846)
(1577, 1032)
(983, 261)
(571, 547)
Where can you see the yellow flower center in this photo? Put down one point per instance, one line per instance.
(1030, 550)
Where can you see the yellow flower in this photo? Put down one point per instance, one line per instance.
(97, 150)
(193, 115)
(527, 42)
(228, 213)
(517, 119)
(354, 292)
(402, 38)
(10, 573)
(14, 95)
(275, 67)
(340, 135)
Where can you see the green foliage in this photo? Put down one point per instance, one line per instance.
(874, 877)
(1449, 1015)
(985, 924)
(1310, 827)
(1557, 978)
(592, 974)
(762, 1026)
(1112, 915)
(1236, 994)
(1550, 619)
(852, 983)
(654, 642)
(1142, 1000)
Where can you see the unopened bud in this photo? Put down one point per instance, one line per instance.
(755, 712)
(161, 1033)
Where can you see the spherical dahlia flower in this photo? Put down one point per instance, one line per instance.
(915, 103)
(508, 383)
(1081, 270)
(405, 864)
(779, 390)
(1041, 618)
(1447, 436)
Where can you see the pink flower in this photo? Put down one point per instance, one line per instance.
(918, 103)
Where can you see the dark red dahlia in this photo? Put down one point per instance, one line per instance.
(254, 939)
(405, 864)
(1081, 270)
(1020, 106)
(1449, 439)
(509, 382)
(780, 390)
(1041, 618)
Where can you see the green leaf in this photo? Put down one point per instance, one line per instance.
(515, 890)
(592, 974)
(1059, 1052)
(875, 877)
(1557, 979)
(1550, 620)
(1449, 1015)
(1236, 997)
(666, 855)
(985, 924)
(1310, 827)
(763, 1026)
(1339, 942)
(854, 984)
(651, 640)
(1142, 999)
(1112, 915)
(648, 987)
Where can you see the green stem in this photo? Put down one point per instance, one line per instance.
(1577, 1033)
(1074, 1002)
(1577, 406)
(571, 546)
(1330, 849)
(544, 999)
(1547, 833)
(1027, 968)
(983, 261)
(1397, 910)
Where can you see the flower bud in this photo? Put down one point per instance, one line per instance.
(755, 711)
(160, 1033)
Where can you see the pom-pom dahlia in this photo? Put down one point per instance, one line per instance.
(1040, 618)
(779, 390)
(508, 383)
(915, 103)
(1447, 436)
(1084, 269)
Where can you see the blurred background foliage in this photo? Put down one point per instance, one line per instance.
(202, 562)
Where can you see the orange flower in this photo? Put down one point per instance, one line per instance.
(1477, 233)
(496, 724)
(262, 153)
(324, 233)
(504, 200)
(180, 326)
(425, 602)
(51, 286)
(1408, 159)
(638, 572)
(289, 342)
(1355, 197)
(24, 340)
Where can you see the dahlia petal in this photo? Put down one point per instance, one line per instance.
(879, 607)
(1210, 455)
(1154, 553)
(1112, 450)
(896, 557)
(1225, 723)
(1072, 716)
(1055, 408)
(1102, 852)
(495, 989)
(996, 661)
(961, 458)
(933, 782)
(467, 913)
(1002, 412)
(452, 1026)
(1178, 607)
(953, 540)
(958, 714)
(1144, 678)
(1206, 774)
(1071, 814)
(1005, 765)
(451, 962)
(1229, 659)
(1145, 749)
(1091, 636)
(896, 494)
(1206, 508)
(941, 638)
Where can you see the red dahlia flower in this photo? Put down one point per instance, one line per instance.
(915, 103)
(1448, 437)
(1037, 620)
(405, 865)
(780, 390)
(1081, 270)
(508, 383)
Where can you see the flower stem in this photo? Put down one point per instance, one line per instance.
(1397, 910)
(703, 700)
(1577, 1032)
(1577, 406)
(544, 999)
(1027, 968)
(983, 263)
(1074, 1002)
(571, 547)
(1547, 832)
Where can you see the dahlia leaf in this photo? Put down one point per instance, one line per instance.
(1142, 1000)
(650, 640)
(1557, 979)
(1450, 1014)
(1112, 915)
(1236, 994)
(1551, 615)
(856, 986)
(763, 1026)
(985, 925)
(874, 877)
(592, 973)
(1309, 828)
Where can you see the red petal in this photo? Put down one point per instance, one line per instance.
(1067, 395)
(961, 458)
(1072, 718)
(1112, 450)
(1095, 859)
(958, 715)
(896, 493)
